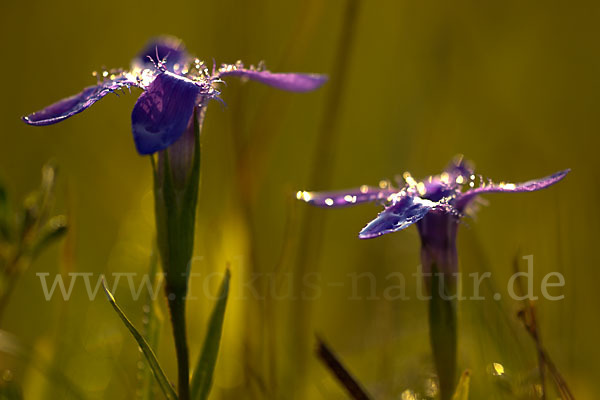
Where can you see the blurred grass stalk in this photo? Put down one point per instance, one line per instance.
(311, 229)
(251, 172)
(25, 233)
(528, 317)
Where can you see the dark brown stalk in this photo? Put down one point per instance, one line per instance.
(344, 377)
(527, 315)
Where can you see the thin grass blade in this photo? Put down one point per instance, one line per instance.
(152, 327)
(202, 377)
(344, 377)
(159, 374)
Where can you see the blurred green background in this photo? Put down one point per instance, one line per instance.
(512, 85)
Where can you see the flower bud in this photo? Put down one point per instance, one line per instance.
(176, 182)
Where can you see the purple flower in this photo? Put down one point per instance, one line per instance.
(434, 204)
(174, 83)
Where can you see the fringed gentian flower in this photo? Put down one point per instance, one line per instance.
(173, 83)
(436, 205)
(167, 118)
(176, 86)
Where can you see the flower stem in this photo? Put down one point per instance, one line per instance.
(176, 183)
(442, 330)
(177, 310)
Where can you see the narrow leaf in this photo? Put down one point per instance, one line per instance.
(462, 390)
(150, 357)
(152, 327)
(341, 373)
(202, 377)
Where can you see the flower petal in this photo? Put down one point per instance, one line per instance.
(285, 81)
(345, 197)
(404, 212)
(70, 106)
(529, 186)
(163, 112)
(168, 48)
(459, 167)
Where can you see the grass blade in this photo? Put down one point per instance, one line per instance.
(159, 374)
(203, 373)
(151, 329)
(341, 373)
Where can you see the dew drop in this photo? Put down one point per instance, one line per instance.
(497, 369)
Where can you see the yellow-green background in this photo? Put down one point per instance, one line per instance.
(513, 85)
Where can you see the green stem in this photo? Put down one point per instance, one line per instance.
(177, 309)
(442, 330)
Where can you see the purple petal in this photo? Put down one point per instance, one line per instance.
(345, 197)
(448, 183)
(404, 212)
(163, 112)
(70, 106)
(290, 81)
(167, 48)
(529, 186)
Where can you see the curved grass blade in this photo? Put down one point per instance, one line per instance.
(202, 377)
(11, 345)
(159, 374)
(462, 390)
(152, 328)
